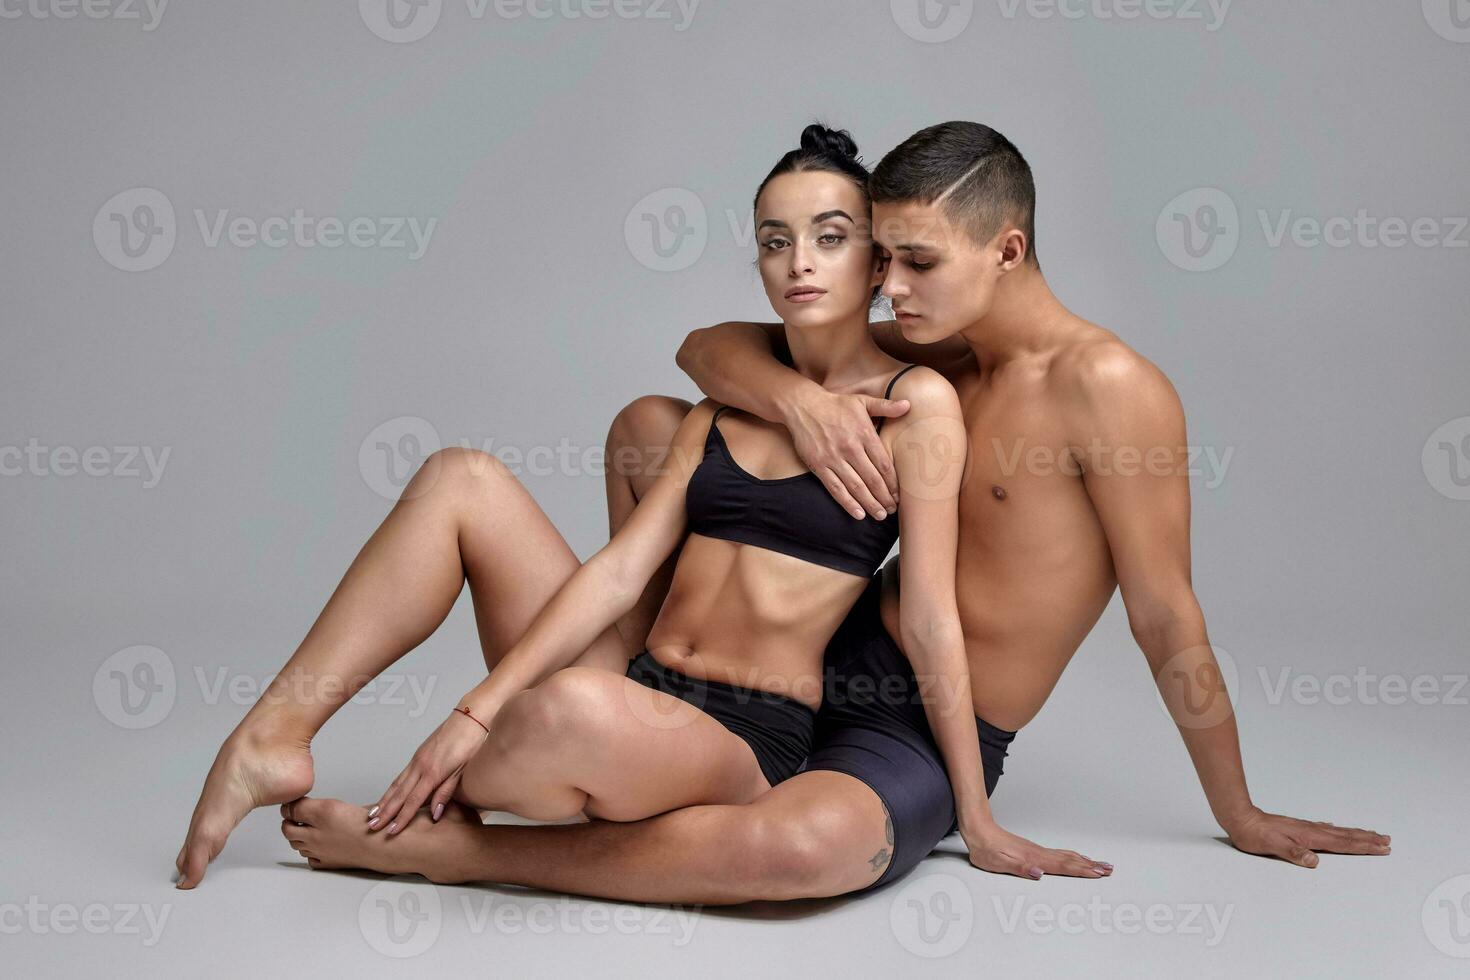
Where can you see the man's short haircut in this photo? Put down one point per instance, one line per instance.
(972, 172)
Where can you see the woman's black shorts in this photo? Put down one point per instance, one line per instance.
(778, 729)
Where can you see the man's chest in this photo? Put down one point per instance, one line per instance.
(1020, 465)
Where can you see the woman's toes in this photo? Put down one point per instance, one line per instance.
(308, 810)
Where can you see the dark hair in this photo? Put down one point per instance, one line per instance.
(832, 150)
(979, 177)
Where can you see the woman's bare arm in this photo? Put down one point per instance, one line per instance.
(930, 446)
(608, 584)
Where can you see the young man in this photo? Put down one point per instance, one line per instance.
(1076, 485)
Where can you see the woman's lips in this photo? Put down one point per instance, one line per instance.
(905, 315)
(805, 294)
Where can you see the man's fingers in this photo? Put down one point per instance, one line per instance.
(1345, 842)
(1297, 854)
(888, 408)
(839, 493)
(882, 463)
(859, 490)
(876, 486)
(199, 850)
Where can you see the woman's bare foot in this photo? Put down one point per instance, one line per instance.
(255, 767)
(332, 834)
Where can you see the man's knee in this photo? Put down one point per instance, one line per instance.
(638, 440)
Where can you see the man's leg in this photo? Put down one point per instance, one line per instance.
(814, 835)
(637, 450)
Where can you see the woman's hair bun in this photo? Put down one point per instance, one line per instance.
(830, 142)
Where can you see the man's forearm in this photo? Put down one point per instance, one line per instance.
(1193, 687)
(735, 364)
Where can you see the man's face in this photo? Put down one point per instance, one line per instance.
(937, 278)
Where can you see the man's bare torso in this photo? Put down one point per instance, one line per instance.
(1034, 570)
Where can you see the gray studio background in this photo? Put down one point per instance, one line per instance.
(1328, 379)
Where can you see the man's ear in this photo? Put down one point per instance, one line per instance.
(880, 268)
(1013, 247)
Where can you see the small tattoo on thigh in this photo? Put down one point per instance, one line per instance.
(888, 830)
(879, 861)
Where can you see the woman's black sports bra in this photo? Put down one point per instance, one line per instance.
(794, 515)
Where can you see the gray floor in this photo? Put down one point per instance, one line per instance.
(100, 820)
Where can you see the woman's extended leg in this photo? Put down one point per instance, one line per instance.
(464, 516)
(588, 741)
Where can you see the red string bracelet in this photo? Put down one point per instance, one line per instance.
(466, 712)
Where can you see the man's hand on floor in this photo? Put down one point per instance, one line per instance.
(1297, 841)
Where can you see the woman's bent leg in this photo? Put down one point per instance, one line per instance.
(463, 516)
(817, 834)
(590, 741)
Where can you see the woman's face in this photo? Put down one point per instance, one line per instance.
(815, 248)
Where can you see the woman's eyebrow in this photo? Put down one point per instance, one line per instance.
(816, 219)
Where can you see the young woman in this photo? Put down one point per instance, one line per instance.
(720, 705)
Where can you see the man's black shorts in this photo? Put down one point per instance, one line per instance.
(872, 726)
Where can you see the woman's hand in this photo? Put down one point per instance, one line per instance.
(835, 436)
(434, 769)
(994, 849)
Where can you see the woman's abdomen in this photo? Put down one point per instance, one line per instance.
(751, 617)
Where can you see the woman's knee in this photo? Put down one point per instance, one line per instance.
(562, 713)
(456, 470)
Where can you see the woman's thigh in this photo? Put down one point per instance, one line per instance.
(513, 556)
(633, 751)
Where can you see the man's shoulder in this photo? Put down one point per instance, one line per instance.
(1099, 366)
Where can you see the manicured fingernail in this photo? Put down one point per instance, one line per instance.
(372, 811)
(1101, 871)
(1104, 864)
(373, 822)
(1036, 872)
(438, 810)
(392, 825)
